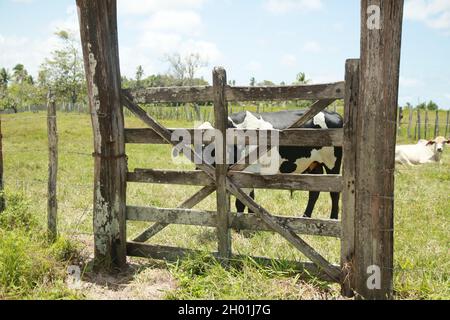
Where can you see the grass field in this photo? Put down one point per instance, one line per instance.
(422, 211)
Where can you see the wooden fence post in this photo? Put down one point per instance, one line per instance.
(419, 124)
(436, 125)
(410, 118)
(2, 186)
(400, 120)
(98, 27)
(447, 124)
(52, 200)
(223, 197)
(426, 124)
(349, 171)
(381, 31)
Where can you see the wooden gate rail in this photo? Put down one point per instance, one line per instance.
(290, 137)
(173, 254)
(301, 182)
(314, 227)
(205, 94)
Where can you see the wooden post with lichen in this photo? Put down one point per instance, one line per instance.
(381, 32)
(52, 201)
(98, 27)
(223, 196)
(2, 196)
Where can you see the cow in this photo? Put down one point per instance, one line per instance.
(423, 152)
(292, 159)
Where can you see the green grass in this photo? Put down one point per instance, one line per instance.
(30, 267)
(421, 217)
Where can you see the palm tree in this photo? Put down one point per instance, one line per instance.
(20, 74)
(5, 77)
(301, 78)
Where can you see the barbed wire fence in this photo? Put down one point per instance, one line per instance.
(75, 215)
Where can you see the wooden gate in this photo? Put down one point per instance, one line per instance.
(228, 180)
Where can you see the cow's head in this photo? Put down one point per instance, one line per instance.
(439, 144)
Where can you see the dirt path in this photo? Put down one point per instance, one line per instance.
(142, 281)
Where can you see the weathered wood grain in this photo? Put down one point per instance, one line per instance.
(98, 28)
(172, 254)
(303, 182)
(2, 186)
(375, 149)
(199, 94)
(283, 93)
(195, 199)
(316, 227)
(203, 94)
(52, 200)
(313, 111)
(222, 194)
(290, 137)
(349, 172)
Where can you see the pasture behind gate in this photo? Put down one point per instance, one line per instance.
(421, 257)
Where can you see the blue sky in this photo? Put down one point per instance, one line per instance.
(267, 39)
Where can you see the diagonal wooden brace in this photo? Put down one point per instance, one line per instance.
(287, 233)
(188, 204)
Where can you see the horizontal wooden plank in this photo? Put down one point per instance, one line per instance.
(302, 182)
(185, 178)
(173, 254)
(316, 227)
(204, 94)
(283, 93)
(291, 137)
(199, 94)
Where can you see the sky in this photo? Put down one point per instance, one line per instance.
(266, 39)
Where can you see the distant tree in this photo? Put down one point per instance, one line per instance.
(421, 106)
(64, 70)
(301, 79)
(252, 82)
(266, 83)
(184, 69)
(282, 83)
(5, 77)
(139, 76)
(432, 106)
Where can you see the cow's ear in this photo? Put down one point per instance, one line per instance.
(431, 142)
(447, 142)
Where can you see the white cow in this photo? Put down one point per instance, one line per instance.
(421, 153)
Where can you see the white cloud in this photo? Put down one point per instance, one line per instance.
(164, 27)
(32, 51)
(284, 6)
(312, 47)
(254, 66)
(187, 22)
(139, 7)
(325, 78)
(433, 13)
(407, 82)
(23, 1)
(289, 60)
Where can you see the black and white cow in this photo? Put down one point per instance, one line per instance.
(292, 159)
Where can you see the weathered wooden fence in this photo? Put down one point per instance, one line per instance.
(230, 180)
(370, 91)
(424, 128)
